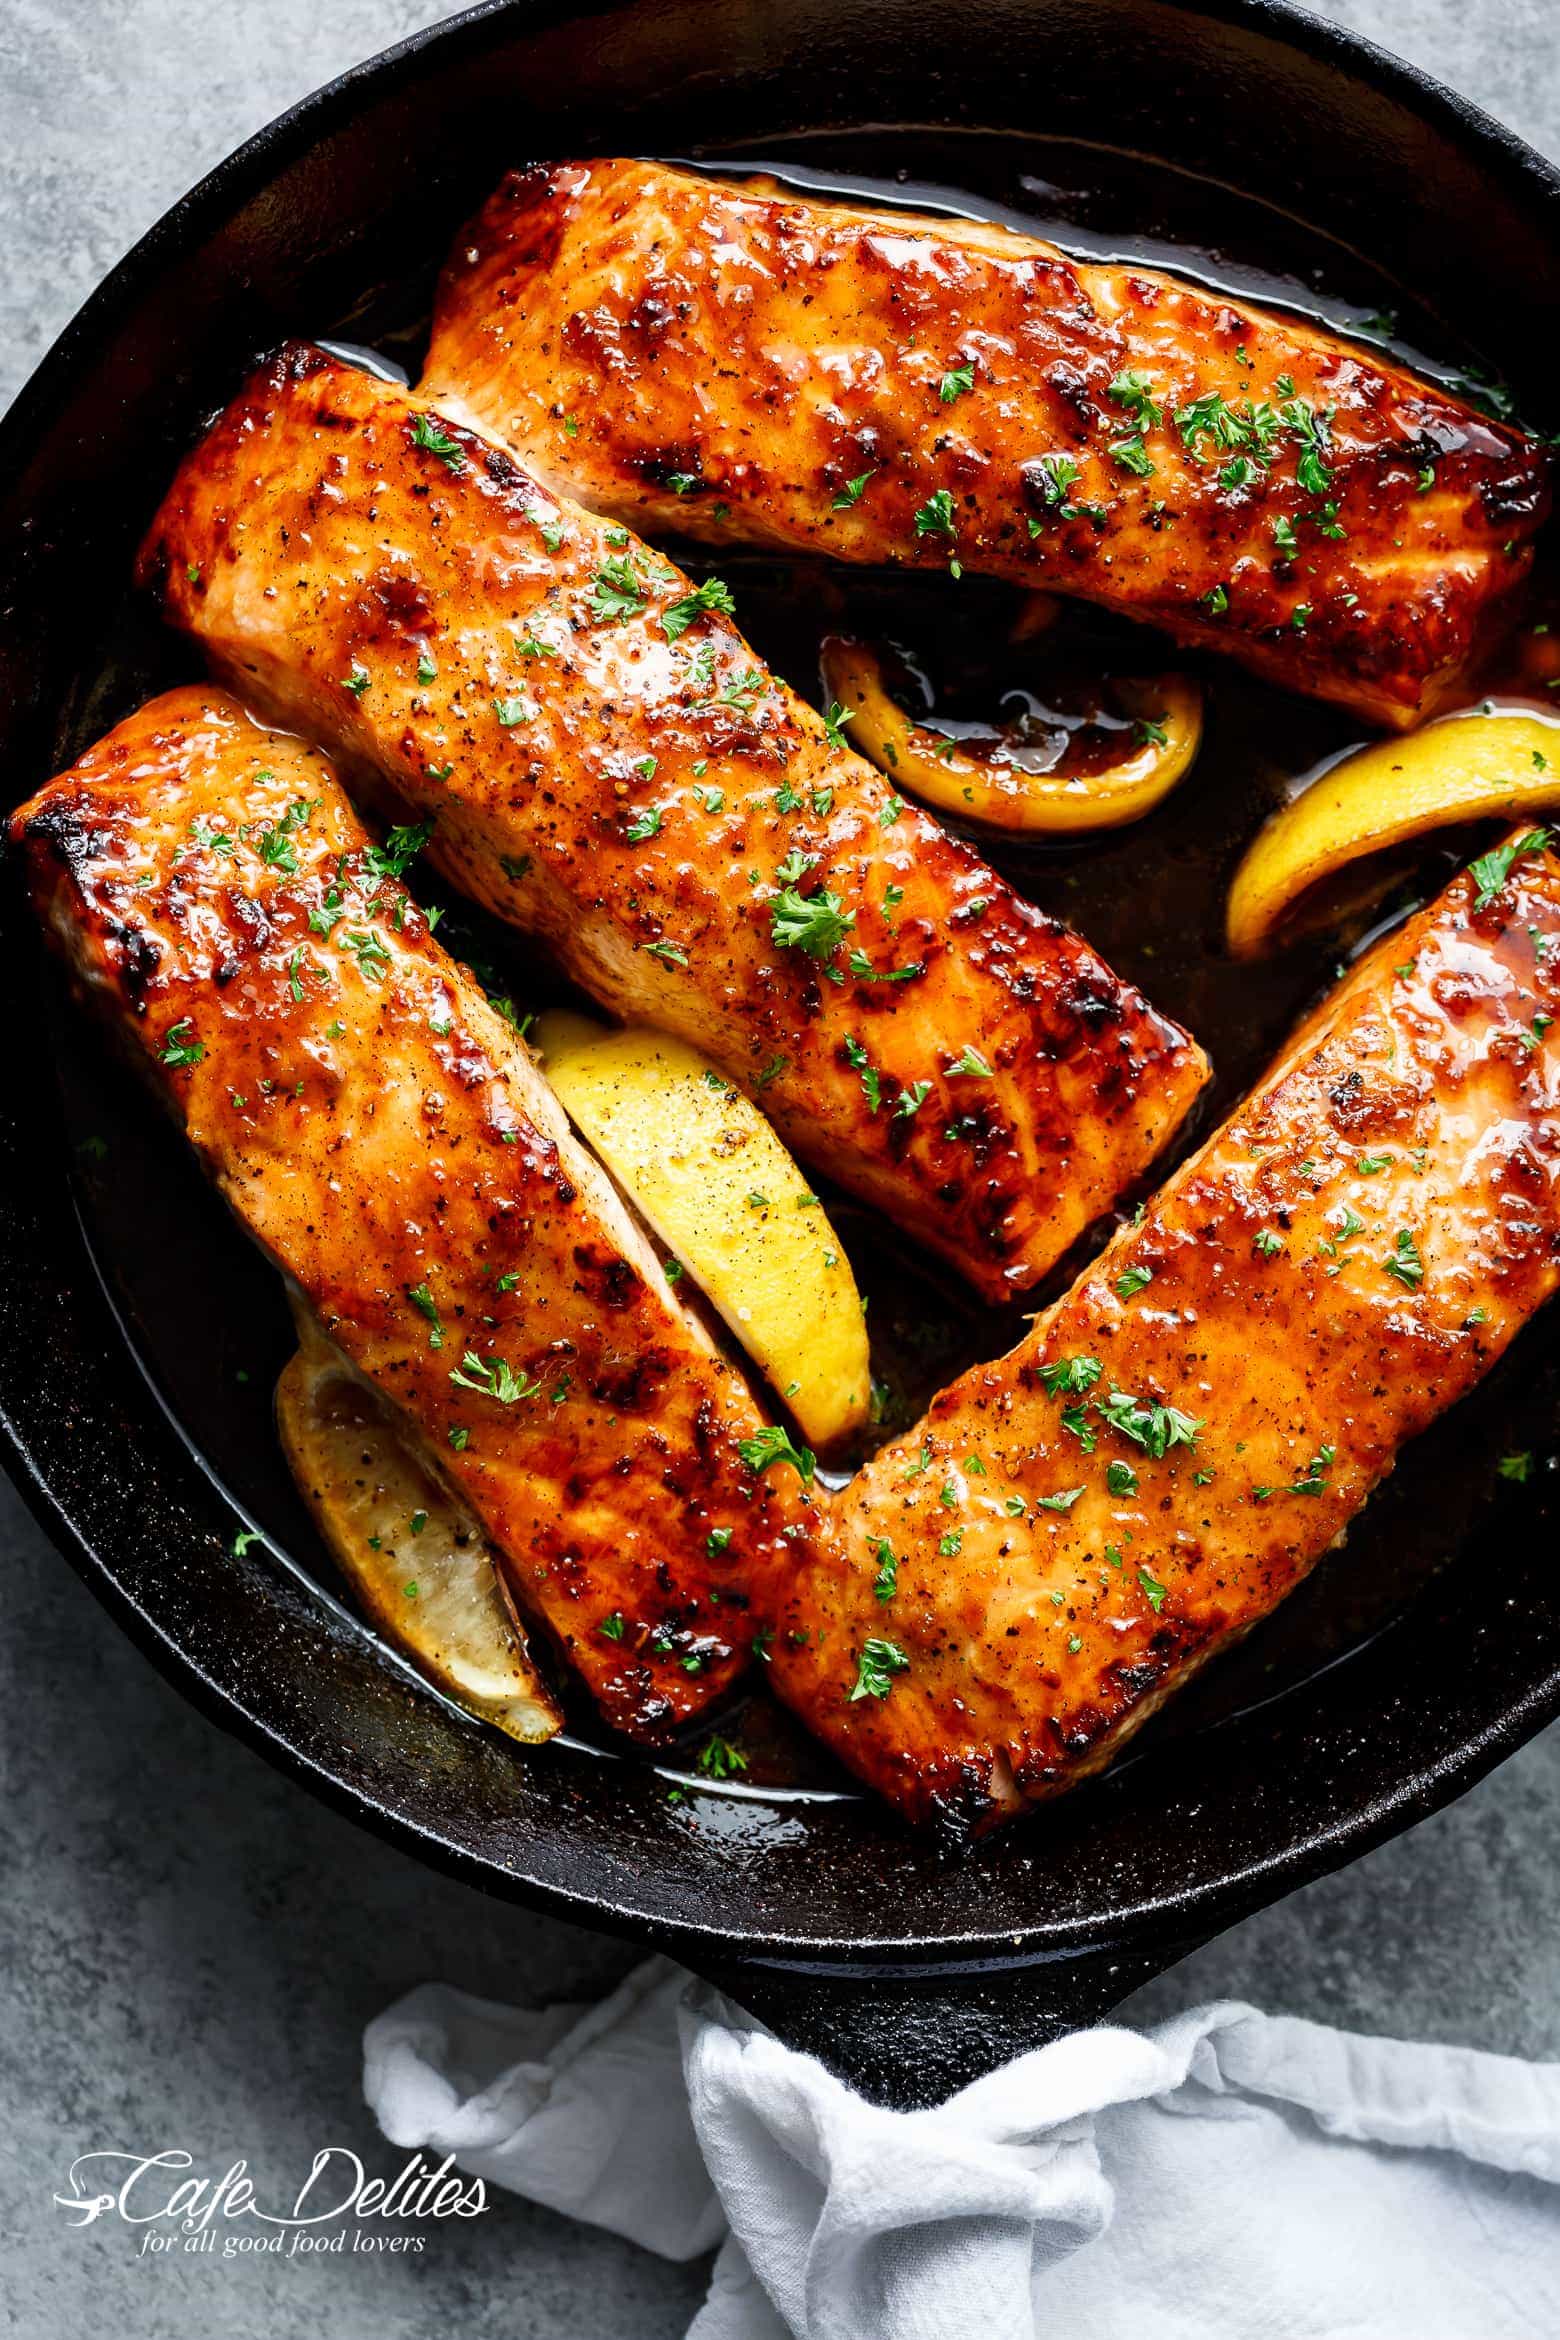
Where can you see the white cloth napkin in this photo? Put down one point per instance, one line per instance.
(1230, 2173)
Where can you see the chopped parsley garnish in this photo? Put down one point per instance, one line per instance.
(1312, 473)
(400, 849)
(1073, 1374)
(612, 1626)
(712, 594)
(814, 923)
(1154, 1427)
(717, 1541)
(617, 593)
(772, 1445)
(512, 711)
(515, 866)
(1267, 1242)
(1516, 1467)
(1215, 601)
(864, 971)
(879, 1662)
(1075, 1420)
(182, 1052)
(719, 1759)
(852, 492)
(421, 1298)
(871, 1083)
(935, 517)
(1121, 1478)
(1403, 1260)
(1062, 1502)
(886, 1582)
(370, 953)
(644, 824)
(1135, 392)
(1055, 474)
(667, 952)
(1211, 425)
(1133, 1280)
(1131, 454)
(911, 1100)
(493, 1379)
(1313, 1479)
(355, 680)
(1152, 1590)
(1492, 869)
(275, 844)
(432, 436)
(956, 381)
(973, 1064)
(834, 724)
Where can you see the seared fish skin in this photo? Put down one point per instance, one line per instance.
(741, 363)
(609, 766)
(1022, 1580)
(383, 1134)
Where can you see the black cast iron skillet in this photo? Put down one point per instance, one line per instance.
(906, 1970)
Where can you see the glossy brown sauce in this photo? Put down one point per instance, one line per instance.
(205, 1315)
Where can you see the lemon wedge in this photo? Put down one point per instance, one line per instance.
(411, 1551)
(1493, 766)
(709, 1176)
(974, 781)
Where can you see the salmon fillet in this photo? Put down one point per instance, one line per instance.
(384, 1136)
(608, 766)
(739, 363)
(1018, 1583)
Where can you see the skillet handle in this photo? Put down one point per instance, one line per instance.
(908, 2040)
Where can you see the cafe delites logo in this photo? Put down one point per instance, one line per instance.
(338, 2210)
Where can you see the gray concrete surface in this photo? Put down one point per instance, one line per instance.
(188, 1945)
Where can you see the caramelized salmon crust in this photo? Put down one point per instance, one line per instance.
(384, 1136)
(1018, 1583)
(608, 765)
(740, 363)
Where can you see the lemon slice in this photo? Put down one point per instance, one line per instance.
(710, 1177)
(978, 786)
(413, 1554)
(1496, 766)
